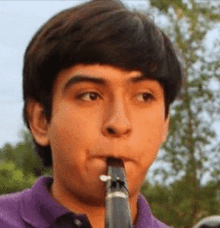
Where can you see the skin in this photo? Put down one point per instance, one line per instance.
(114, 116)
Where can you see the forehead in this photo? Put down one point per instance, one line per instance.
(101, 74)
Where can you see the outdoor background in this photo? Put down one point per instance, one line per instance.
(183, 184)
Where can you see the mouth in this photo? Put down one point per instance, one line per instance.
(111, 161)
(102, 163)
(114, 159)
(107, 161)
(113, 164)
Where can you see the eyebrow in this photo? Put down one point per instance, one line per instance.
(84, 78)
(139, 78)
(100, 81)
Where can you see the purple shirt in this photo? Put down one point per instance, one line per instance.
(35, 208)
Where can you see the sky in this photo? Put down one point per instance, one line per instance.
(19, 20)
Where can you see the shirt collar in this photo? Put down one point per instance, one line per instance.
(144, 218)
(39, 209)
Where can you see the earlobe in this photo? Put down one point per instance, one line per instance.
(38, 122)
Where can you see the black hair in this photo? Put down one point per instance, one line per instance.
(103, 32)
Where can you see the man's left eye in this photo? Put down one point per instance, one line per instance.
(145, 97)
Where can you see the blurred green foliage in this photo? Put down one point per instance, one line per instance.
(12, 179)
(174, 205)
(20, 165)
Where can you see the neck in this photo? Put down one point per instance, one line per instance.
(95, 214)
(98, 220)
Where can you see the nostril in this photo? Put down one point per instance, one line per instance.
(110, 131)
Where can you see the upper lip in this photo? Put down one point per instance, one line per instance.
(114, 150)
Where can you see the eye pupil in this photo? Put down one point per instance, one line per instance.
(146, 96)
(93, 96)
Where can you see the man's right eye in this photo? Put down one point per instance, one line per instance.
(88, 96)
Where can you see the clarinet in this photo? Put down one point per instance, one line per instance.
(117, 204)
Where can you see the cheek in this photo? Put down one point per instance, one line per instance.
(149, 135)
(147, 139)
(70, 133)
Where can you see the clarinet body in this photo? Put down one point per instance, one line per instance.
(117, 204)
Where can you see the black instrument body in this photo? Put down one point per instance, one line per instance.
(117, 204)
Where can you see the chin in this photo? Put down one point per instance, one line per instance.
(97, 199)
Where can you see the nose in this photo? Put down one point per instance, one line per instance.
(117, 123)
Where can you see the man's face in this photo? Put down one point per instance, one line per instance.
(100, 111)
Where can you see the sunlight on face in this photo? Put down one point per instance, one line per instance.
(101, 111)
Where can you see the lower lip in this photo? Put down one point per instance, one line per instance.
(99, 164)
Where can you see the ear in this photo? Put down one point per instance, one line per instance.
(38, 123)
(166, 128)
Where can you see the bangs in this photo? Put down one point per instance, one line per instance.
(126, 40)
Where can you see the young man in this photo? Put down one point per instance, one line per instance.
(98, 81)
